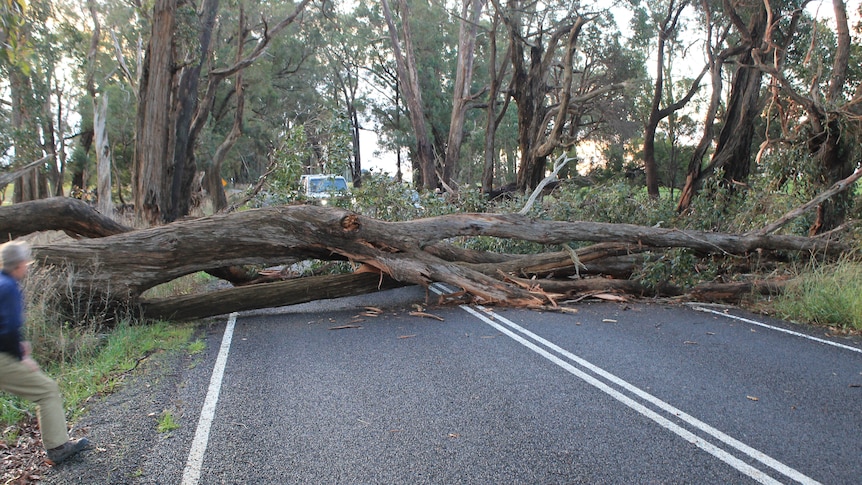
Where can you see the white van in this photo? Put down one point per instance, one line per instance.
(323, 187)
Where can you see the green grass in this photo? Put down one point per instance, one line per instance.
(196, 347)
(126, 346)
(184, 285)
(167, 422)
(93, 357)
(829, 295)
(123, 350)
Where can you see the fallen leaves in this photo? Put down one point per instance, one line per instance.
(752, 398)
(23, 461)
(344, 327)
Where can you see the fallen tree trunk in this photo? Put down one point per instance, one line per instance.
(120, 264)
(72, 216)
(134, 261)
(268, 295)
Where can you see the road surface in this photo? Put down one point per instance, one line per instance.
(604, 393)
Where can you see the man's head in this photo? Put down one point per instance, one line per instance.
(15, 257)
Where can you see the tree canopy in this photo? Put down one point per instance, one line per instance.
(150, 105)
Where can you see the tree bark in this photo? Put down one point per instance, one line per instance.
(733, 147)
(493, 117)
(153, 134)
(103, 155)
(666, 29)
(269, 295)
(73, 216)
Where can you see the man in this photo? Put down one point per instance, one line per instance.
(19, 373)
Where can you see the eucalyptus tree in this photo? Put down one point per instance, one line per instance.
(666, 22)
(496, 108)
(732, 153)
(462, 96)
(810, 102)
(385, 100)
(815, 89)
(567, 69)
(39, 93)
(172, 105)
(408, 76)
(346, 54)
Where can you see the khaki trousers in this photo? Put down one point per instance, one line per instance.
(36, 387)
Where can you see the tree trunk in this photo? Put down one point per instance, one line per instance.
(493, 117)
(469, 26)
(73, 216)
(733, 147)
(154, 138)
(269, 295)
(120, 264)
(409, 82)
(103, 155)
(832, 151)
(31, 185)
(666, 29)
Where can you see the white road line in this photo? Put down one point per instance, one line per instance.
(192, 472)
(722, 455)
(667, 408)
(778, 329)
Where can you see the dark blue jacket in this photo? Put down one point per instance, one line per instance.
(11, 315)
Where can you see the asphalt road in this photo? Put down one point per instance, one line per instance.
(609, 393)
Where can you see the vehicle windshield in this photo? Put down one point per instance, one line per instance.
(327, 185)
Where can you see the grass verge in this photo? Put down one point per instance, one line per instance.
(79, 380)
(88, 358)
(825, 294)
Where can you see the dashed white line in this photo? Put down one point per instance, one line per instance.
(192, 472)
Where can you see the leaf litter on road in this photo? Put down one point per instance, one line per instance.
(426, 315)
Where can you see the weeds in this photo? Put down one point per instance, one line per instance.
(196, 347)
(167, 422)
(91, 356)
(825, 294)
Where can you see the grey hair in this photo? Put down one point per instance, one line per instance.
(14, 253)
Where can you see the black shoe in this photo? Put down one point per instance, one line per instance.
(61, 453)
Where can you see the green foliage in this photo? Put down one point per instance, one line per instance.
(196, 347)
(184, 285)
(383, 198)
(678, 267)
(167, 422)
(825, 294)
(614, 202)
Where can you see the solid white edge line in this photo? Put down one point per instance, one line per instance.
(713, 450)
(666, 407)
(192, 472)
(778, 329)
